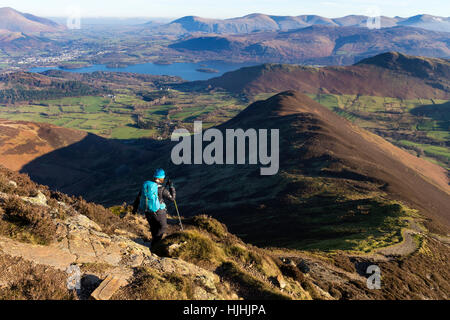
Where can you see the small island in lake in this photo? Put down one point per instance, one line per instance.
(74, 65)
(207, 70)
(162, 62)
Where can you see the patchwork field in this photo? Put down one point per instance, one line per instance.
(128, 116)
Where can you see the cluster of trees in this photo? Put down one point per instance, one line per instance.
(54, 91)
(155, 96)
(164, 128)
(142, 123)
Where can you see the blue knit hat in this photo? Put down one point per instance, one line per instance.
(159, 174)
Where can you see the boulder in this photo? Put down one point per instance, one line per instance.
(281, 282)
(40, 199)
(12, 183)
(82, 221)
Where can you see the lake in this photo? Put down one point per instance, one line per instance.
(187, 71)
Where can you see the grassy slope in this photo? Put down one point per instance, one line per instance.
(397, 120)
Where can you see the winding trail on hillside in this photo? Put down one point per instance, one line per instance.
(406, 247)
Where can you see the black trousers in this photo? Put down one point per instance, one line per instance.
(158, 224)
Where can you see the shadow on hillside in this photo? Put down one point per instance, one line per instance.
(82, 168)
(439, 112)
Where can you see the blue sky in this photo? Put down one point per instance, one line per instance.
(228, 8)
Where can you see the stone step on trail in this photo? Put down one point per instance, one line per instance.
(112, 284)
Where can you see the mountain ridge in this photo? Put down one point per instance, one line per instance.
(15, 21)
(316, 44)
(261, 22)
(332, 139)
(390, 74)
(66, 159)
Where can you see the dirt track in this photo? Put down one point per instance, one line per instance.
(404, 248)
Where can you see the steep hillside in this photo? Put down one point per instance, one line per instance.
(65, 159)
(320, 44)
(388, 75)
(45, 233)
(23, 142)
(8, 36)
(16, 21)
(11, 42)
(420, 67)
(325, 162)
(337, 185)
(247, 24)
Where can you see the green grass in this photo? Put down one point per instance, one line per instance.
(428, 149)
(207, 244)
(130, 133)
(323, 214)
(193, 246)
(252, 287)
(210, 225)
(116, 118)
(150, 285)
(379, 226)
(439, 135)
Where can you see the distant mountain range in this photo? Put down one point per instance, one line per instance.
(307, 39)
(318, 44)
(261, 22)
(15, 21)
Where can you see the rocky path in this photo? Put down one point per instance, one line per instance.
(81, 241)
(49, 256)
(404, 248)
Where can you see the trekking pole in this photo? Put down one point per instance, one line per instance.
(176, 207)
(179, 218)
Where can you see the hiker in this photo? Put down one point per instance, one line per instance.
(150, 201)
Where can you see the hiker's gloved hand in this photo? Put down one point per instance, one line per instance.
(172, 189)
